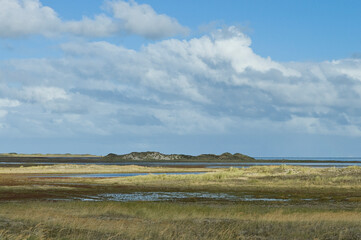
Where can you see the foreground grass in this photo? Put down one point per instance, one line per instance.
(324, 204)
(139, 220)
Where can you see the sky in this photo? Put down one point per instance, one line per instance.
(263, 78)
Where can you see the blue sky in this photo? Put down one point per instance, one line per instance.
(264, 78)
(285, 30)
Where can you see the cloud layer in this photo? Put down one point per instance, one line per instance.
(20, 18)
(214, 84)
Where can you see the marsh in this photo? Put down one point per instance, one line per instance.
(260, 202)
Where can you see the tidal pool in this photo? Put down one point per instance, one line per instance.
(174, 196)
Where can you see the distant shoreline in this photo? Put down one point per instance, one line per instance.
(47, 155)
(98, 159)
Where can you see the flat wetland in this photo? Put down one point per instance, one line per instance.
(259, 202)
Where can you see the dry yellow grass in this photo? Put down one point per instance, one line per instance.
(287, 177)
(75, 220)
(338, 218)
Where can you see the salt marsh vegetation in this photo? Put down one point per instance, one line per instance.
(287, 203)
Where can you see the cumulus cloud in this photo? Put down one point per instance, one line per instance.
(100, 26)
(211, 84)
(20, 18)
(26, 17)
(141, 19)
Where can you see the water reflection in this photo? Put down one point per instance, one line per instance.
(174, 196)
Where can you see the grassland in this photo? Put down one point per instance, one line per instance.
(319, 204)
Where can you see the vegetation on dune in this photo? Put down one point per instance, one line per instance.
(156, 156)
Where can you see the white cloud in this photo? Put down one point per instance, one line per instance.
(233, 46)
(43, 94)
(349, 67)
(5, 103)
(211, 84)
(141, 19)
(26, 17)
(20, 18)
(100, 26)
